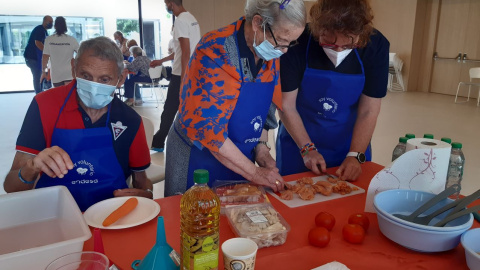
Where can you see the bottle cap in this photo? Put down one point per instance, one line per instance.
(447, 140)
(457, 145)
(410, 135)
(200, 176)
(428, 136)
(403, 139)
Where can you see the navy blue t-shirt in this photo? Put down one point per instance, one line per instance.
(31, 51)
(374, 57)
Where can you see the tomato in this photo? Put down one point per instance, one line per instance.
(353, 233)
(326, 220)
(360, 219)
(318, 237)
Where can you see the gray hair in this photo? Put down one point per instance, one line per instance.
(103, 48)
(136, 50)
(271, 13)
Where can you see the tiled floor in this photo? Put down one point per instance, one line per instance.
(410, 112)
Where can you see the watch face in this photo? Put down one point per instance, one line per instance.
(361, 157)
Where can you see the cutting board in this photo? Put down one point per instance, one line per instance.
(297, 202)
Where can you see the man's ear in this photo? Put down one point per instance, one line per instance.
(122, 78)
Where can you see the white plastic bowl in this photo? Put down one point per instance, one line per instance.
(405, 201)
(418, 239)
(471, 244)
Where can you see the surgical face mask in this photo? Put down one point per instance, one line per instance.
(49, 25)
(170, 11)
(266, 50)
(336, 57)
(94, 95)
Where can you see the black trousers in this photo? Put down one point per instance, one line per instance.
(169, 111)
(36, 70)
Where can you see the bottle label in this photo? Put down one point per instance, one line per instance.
(200, 253)
(256, 216)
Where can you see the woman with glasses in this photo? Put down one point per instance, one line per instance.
(229, 86)
(332, 84)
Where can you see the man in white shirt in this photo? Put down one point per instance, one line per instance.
(186, 34)
(59, 48)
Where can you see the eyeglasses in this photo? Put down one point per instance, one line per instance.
(334, 46)
(280, 47)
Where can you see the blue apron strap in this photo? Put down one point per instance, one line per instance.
(238, 52)
(360, 61)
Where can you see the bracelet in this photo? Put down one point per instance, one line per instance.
(307, 148)
(149, 190)
(23, 180)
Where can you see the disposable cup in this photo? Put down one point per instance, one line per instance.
(239, 254)
(80, 261)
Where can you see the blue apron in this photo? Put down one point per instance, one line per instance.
(327, 103)
(96, 172)
(244, 128)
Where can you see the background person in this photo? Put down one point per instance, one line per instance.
(224, 103)
(139, 66)
(80, 136)
(60, 49)
(122, 44)
(33, 51)
(186, 34)
(332, 86)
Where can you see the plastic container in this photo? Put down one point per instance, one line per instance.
(199, 225)
(455, 168)
(260, 223)
(471, 244)
(38, 226)
(235, 193)
(400, 148)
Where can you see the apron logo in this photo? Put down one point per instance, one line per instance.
(257, 127)
(328, 105)
(118, 129)
(84, 167)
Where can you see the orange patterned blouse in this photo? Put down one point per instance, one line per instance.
(211, 87)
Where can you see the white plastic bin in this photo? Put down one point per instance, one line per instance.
(38, 226)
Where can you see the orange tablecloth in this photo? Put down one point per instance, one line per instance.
(376, 252)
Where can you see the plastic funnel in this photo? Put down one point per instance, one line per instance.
(161, 256)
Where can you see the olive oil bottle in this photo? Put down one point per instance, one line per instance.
(199, 225)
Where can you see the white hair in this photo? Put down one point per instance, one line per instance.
(271, 12)
(136, 50)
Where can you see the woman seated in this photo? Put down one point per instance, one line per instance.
(139, 66)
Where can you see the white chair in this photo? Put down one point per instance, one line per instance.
(156, 172)
(474, 74)
(156, 76)
(395, 78)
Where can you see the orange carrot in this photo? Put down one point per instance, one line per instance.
(121, 211)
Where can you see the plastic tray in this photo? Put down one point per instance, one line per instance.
(230, 193)
(260, 222)
(38, 226)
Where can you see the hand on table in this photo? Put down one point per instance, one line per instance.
(268, 177)
(350, 169)
(53, 161)
(315, 162)
(133, 192)
(156, 63)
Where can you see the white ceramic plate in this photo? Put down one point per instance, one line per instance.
(145, 211)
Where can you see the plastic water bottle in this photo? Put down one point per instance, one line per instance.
(428, 136)
(199, 225)
(400, 148)
(410, 135)
(455, 167)
(447, 140)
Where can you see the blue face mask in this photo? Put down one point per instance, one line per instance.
(49, 25)
(94, 95)
(266, 50)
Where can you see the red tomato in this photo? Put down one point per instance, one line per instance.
(326, 220)
(318, 237)
(353, 233)
(360, 219)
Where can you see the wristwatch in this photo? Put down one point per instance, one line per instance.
(265, 143)
(358, 155)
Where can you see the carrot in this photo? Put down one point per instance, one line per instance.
(121, 211)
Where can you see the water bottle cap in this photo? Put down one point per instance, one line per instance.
(200, 176)
(447, 140)
(410, 135)
(403, 139)
(457, 145)
(428, 136)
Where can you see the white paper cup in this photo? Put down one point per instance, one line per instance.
(239, 254)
